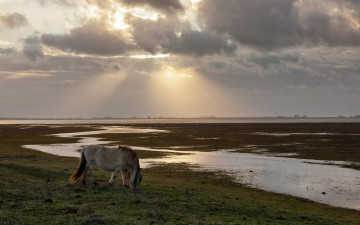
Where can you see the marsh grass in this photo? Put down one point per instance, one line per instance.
(34, 189)
(333, 141)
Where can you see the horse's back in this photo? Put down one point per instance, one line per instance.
(107, 158)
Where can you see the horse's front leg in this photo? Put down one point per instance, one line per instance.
(125, 178)
(113, 176)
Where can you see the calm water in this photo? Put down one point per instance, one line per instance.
(310, 179)
(216, 120)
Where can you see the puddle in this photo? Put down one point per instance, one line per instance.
(72, 149)
(204, 138)
(290, 134)
(184, 147)
(298, 177)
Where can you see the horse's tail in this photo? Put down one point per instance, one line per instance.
(80, 170)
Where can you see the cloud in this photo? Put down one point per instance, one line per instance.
(265, 60)
(171, 36)
(164, 5)
(33, 48)
(67, 3)
(12, 20)
(202, 43)
(282, 23)
(91, 38)
(334, 22)
(7, 51)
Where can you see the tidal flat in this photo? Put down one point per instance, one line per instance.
(34, 187)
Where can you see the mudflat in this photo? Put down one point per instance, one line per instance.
(34, 186)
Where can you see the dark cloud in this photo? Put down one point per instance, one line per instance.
(281, 23)
(202, 43)
(332, 22)
(266, 60)
(165, 5)
(7, 51)
(33, 48)
(257, 22)
(12, 20)
(171, 36)
(153, 36)
(91, 38)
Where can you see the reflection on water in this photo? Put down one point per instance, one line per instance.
(302, 134)
(71, 150)
(111, 130)
(297, 177)
(311, 179)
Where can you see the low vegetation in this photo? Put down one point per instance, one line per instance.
(34, 187)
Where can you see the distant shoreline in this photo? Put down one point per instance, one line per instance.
(160, 117)
(179, 120)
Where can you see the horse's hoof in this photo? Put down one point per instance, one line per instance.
(111, 184)
(83, 182)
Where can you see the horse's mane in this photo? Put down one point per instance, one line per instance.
(129, 150)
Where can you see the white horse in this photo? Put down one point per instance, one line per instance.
(118, 159)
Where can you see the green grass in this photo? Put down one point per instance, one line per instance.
(34, 189)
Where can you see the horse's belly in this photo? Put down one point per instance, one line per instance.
(107, 166)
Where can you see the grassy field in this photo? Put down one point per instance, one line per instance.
(34, 187)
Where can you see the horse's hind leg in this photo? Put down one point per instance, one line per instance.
(85, 174)
(91, 172)
(113, 176)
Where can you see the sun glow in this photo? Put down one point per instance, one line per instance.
(183, 91)
(119, 20)
(93, 11)
(172, 73)
(150, 56)
(86, 96)
(144, 14)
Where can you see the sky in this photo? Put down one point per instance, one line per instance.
(179, 58)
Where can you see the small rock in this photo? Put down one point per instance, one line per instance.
(305, 218)
(251, 171)
(79, 190)
(323, 193)
(214, 209)
(48, 200)
(93, 220)
(71, 211)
